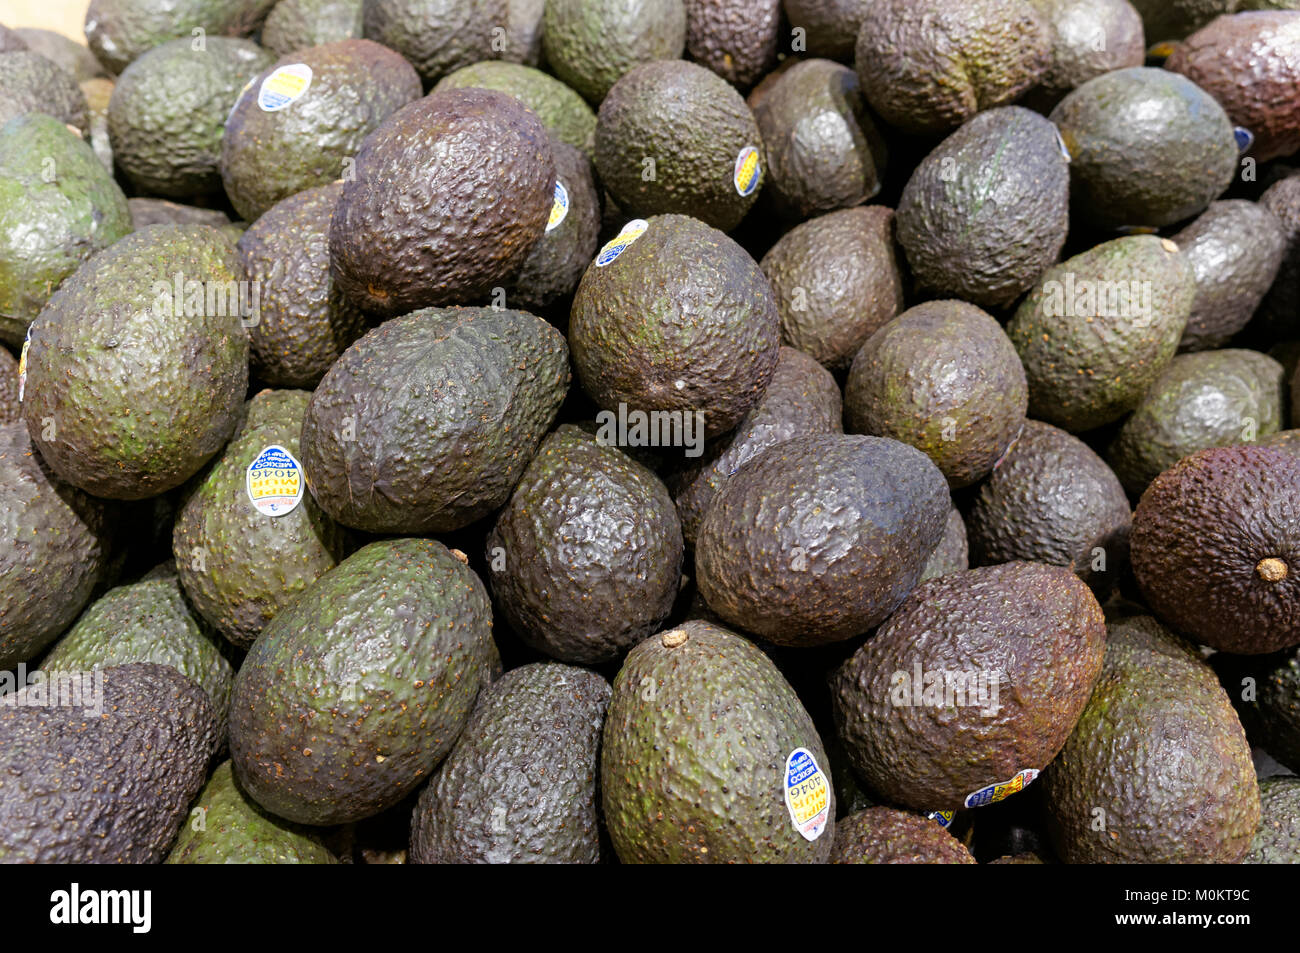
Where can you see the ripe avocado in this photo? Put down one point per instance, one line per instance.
(107, 781)
(737, 39)
(298, 24)
(1216, 548)
(426, 423)
(29, 83)
(267, 156)
(1097, 330)
(66, 53)
(953, 552)
(448, 198)
(672, 137)
(436, 36)
(118, 31)
(520, 787)
(1167, 20)
(587, 556)
(129, 392)
(829, 27)
(820, 538)
(1277, 316)
(941, 377)
(355, 691)
(1157, 770)
(699, 740)
(837, 281)
(146, 211)
(590, 45)
(1089, 38)
(1277, 711)
(986, 213)
(1278, 839)
(882, 835)
(977, 677)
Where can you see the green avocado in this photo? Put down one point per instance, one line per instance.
(1089, 38)
(29, 83)
(590, 45)
(737, 39)
(298, 24)
(119, 31)
(1278, 839)
(882, 835)
(66, 53)
(829, 27)
(436, 36)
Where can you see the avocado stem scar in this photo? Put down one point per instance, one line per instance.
(1272, 569)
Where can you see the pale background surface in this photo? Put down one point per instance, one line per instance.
(64, 16)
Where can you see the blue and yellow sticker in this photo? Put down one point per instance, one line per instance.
(22, 364)
(284, 86)
(1002, 790)
(275, 481)
(560, 207)
(746, 173)
(807, 794)
(620, 242)
(942, 818)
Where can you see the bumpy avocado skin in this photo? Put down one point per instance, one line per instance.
(927, 66)
(10, 409)
(393, 245)
(837, 281)
(1278, 317)
(268, 156)
(29, 83)
(589, 550)
(953, 552)
(561, 109)
(354, 692)
(520, 787)
(1036, 629)
(1216, 548)
(58, 207)
(119, 31)
(1089, 38)
(304, 321)
(106, 786)
(737, 39)
(54, 550)
(1278, 839)
(99, 419)
(681, 788)
(168, 112)
(802, 398)
(1053, 500)
(829, 27)
(146, 211)
(683, 320)
(882, 835)
(820, 538)
(68, 54)
(1277, 714)
(694, 127)
(944, 378)
(426, 423)
(987, 212)
(298, 24)
(1207, 399)
(1156, 710)
(436, 36)
(1167, 20)
(590, 45)
(1090, 355)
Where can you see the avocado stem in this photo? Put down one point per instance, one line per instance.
(1272, 569)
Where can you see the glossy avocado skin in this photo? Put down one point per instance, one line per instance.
(1036, 629)
(119, 31)
(953, 552)
(297, 24)
(392, 246)
(355, 692)
(1089, 38)
(30, 83)
(561, 109)
(737, 39)
(589, 550)
(1277, 317)
(590, 45)
(728, 806)
(820, 538)
(1156, 709)
(882, 835)
(107, 789)
(520, 787)
(436, 36)
(426, 423)
(1278, 838)
(987, 212)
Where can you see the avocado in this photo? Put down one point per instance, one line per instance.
(145, 211)
(802, 398)
(436, 36)
(564, 113)
(1277, 316)
(953, 552)
(169, 109)
(53, 552)
(1183, 132)
(522, 42)
(737, 39)
(972, 686)
(586, 558)
(1053, 500)
(100, 769)
(10, 409)
(1216, 546)
(299, 24)
(708, 756)
(351, 87)
(1278, 839)
(941, 377)
(1207, 399)
(590, 45)
(520, 786)
(1277, 712)
(823, 149)
(304, 322)
(427, 423)
(10, 41)
(448, 197)
(820, 538)
(1235, 249)
(356, 691)
(132, 385)
(882, 835)
(986, 213)
(1089, 38)
(1166, 20)
(58, 207)
(672, 137)
(99, 93)
(837, 281)
(827, 27)
(29, 83)
(226, 826)
(674, 317)
(118, 31)
(1287, 440)
(1157, 770)
(927, 66)
(66, 53)
(1097, 330)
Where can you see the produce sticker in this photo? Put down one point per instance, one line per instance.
(745, 175)
(620, 242)
(1002, 790)
(282, 87)
(807, 795)
(559, 208)
(274, 481)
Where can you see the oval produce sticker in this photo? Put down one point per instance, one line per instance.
(274, 481)
(745, 174)
(620, 242)
(282, 87)
(807, 795)
(22, 364)
(560, 207)
(1002, 790)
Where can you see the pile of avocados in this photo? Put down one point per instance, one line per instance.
(683, 431)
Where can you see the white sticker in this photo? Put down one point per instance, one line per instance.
(1002, 790)
(745, 175)
(620, 242)
(274, 481)
(560, 207)
(807, 794)
(284, 86)
(22, 364)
